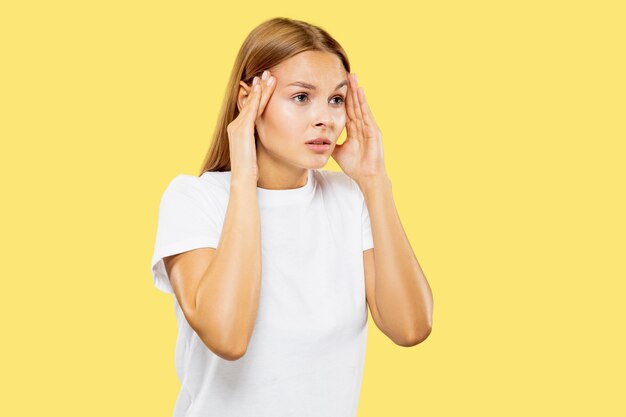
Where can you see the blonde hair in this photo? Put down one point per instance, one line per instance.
(270, 43)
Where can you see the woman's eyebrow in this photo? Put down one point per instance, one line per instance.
(312, 87)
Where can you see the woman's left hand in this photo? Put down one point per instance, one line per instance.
(361, 154)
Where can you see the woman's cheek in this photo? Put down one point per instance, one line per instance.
(290, 110)
(341, 120)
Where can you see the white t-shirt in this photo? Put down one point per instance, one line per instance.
(307, 350)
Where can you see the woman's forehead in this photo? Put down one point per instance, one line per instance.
(311, 79)
(312, 68)
(314, 86)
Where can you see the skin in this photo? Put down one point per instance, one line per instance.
(294, 115)
(398, 295)
(219, 294)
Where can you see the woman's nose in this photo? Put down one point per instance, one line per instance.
(323, 114)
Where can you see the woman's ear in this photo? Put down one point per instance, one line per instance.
(242, 96)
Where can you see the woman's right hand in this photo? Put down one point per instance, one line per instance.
(243, 162)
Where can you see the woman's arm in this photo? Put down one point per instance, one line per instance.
(218, 289)
(398, 290)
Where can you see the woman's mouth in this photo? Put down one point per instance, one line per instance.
(319, 145)
(321, 148)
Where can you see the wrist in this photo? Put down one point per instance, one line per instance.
(243, 181)
(373, 182)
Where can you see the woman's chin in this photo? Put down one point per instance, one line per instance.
(318, 161)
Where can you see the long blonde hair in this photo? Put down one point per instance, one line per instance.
(270, 43)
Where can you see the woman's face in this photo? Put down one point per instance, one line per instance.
(297, 112)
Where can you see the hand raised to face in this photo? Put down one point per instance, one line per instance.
(361, 154)
(242, 148)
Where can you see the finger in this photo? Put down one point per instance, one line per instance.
(355, 127)
(251, 106)
(267, 89)
(357, 108)
(368, 116)
(350, 100)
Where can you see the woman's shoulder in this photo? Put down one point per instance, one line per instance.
(207, 185)
(183, 182)
(220, 179)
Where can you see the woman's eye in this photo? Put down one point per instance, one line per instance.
(304, 95)
(299, 95)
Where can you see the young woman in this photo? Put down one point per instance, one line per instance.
(270, 258)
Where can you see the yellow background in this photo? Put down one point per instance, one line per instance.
(504, 128)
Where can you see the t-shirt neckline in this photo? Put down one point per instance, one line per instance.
(268, 197)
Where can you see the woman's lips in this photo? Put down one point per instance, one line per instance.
(318, 148)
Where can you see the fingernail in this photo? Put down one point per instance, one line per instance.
(264, 75)
(256, 87)
(270, 81)
(255, 81)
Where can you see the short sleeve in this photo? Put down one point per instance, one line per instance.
(367, 241)
(186, 221)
